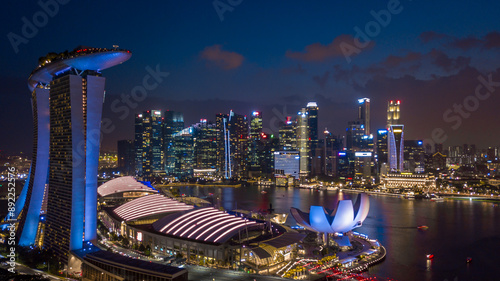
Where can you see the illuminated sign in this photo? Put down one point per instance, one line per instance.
(342, 153)
(397, 131)
(363, 154)
(255, 113)
(139, 236)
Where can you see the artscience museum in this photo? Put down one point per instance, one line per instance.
(345, 217)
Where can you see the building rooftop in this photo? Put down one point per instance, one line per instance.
(123, 184)
(149, 205)
(81, 58)
(137, 265)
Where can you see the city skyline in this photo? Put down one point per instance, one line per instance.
(429, 66)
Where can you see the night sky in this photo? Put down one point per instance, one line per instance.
(273, 57)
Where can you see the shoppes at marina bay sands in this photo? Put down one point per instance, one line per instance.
(192, 230)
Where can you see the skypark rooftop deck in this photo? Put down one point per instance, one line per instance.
(82, 58)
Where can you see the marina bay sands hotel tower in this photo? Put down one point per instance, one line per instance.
(67, 99)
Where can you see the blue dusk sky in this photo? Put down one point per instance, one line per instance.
(272, 56)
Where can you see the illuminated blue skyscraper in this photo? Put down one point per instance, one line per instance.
(67, 96)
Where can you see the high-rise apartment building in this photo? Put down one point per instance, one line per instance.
(205, 145)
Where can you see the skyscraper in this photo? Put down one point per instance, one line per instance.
(222, 139)
(303, 141)
(205, 145)
(254, 156)
(287, 135)
(312, 123)
(382, 151)
(173, 122)
(183, 151)
(149, 143)
(396, 148)
(67, 96)
(126, 157)
(393, 113)
(238, 128)
(414, 156)
(364, 114)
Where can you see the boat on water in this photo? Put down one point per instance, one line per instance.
(422, 227)
(409, 196)
(469, 259)
(437, 199)
(263, 192)
(430, 256)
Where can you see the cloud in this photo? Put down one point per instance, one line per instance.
(446, 63)
(294, 70)
(428, 36)
(224, 59)
(318, 52)
(321, 80)
(489, 41)
(394, 61)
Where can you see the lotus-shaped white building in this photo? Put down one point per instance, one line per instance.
(342, 219)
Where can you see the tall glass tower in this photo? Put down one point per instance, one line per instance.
(67, 96)
(396, 148)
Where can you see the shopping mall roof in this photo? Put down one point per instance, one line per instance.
(149, 205)
(205, 225)
(123, 184)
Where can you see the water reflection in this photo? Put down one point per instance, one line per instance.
(457, 229)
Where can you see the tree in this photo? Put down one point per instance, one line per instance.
(142, 248)
(125, 241)
(147, 252)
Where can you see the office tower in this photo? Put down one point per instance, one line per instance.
(333, 145)
(126, 157)
(183, 150)
(238, 133)
(268, 144)
(173, 122)
(148, 143)
(287, 163)
(205, 145)
(303, 141)
(393, 113)
(67, 98)
(382, 152)
(222, 139)
(364, 114)
(254, 157)
(414, 156)
(138, 130)
(354, 135)
(287, 135)
(312, 123)
(396, 148)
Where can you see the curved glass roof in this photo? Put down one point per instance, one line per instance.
(149, 205)
(122, 184)
(205, 224)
